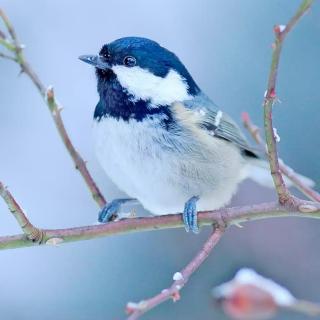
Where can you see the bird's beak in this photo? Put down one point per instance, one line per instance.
(96, 61)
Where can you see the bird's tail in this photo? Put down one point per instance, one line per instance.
(259, 171)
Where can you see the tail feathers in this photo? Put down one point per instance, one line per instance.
(259, 171)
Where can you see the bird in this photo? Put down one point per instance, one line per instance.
(161, 139)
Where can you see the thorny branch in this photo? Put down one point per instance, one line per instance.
(14, 46)
(286, 207)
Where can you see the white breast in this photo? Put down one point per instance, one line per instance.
(137, 158)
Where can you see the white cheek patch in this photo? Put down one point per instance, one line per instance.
(143, 84)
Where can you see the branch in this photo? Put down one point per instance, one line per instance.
(280, 34)
(229, 216)
(306, 307)
(32, 233)
(8, 57)
(286, 170)
(286, 206)
(180, 279)
(48, 95)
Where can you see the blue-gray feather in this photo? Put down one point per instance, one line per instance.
(225, 128)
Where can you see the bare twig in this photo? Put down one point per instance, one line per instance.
(286, 170)
(180, 279)
(48, 95)
(290, 173)
(2, 35)
(253, 130)
(235, 215)
(287, 205)
(8, 57)
(7, 44)
(306, 307)
(9, 26)
(34, 234)
(280, 34)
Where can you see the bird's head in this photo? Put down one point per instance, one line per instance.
(144, 69)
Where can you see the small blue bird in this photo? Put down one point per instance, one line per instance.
(161, 139)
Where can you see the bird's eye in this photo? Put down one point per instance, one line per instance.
(106, 55)
(130, 61)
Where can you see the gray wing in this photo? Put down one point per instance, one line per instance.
(219, 124)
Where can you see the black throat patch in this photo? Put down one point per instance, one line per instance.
(117, 103)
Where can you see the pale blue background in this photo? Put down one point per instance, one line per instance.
(226, 45)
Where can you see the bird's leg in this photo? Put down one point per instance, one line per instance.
(189, 215)
(110, 210)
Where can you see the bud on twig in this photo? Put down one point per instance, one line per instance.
(251, 296)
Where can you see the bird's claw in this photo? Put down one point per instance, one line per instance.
(110, 211)
(190, 217)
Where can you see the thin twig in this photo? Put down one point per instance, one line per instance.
(48, 95)
(34, 234)
(252, 129)
(286, 170)
(7, 44)
(306, 307)
(180, 279)
(8, 57)
(8, 25)
(2, 35)
(290, 173)
(280, 34)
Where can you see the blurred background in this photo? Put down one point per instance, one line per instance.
(226, 45)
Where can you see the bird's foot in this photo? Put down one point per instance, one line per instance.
(189, 215)
(110, 211)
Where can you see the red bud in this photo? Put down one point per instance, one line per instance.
(248, 302)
